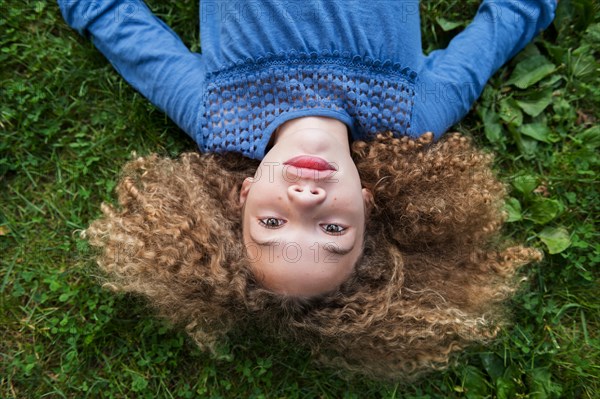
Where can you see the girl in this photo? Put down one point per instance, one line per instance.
(378, 251)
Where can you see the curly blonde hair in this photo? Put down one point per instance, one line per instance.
(432, 278)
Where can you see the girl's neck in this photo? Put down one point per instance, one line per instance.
(334, 126)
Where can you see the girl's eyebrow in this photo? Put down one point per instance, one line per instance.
(330, 247)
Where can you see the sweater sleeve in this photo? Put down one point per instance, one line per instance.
(452, 79)
(146, 52)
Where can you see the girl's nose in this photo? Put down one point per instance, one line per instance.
(306, 194)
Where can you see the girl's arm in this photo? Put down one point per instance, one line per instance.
(146, 52)
(452, 79)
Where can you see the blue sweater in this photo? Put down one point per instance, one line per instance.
(266, 62)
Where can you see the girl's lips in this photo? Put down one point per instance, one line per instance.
(309, 162)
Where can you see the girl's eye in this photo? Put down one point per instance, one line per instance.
(271, 223)
(334, 229)
(274, 223)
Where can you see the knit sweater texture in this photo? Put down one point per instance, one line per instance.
(266, 62)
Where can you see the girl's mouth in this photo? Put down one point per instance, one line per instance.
(309, 162)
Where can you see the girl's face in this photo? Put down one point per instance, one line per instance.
(303, 227)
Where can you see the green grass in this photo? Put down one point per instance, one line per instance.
(68, 122)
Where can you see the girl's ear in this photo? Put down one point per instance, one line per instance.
(368, 198)
(245, 188)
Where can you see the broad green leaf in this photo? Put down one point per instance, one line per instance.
(525, 184)
(528, 147)
(556, 52)
(541, 384)
(571, 197)
(493, 364)
(557, 239)
(543, 210)
(592, 33)
(64, 297)
(448, 25)
(536, 102)
(491, 127)
(582, 64)
(550, 80)
(513, 208)
(505, 388)
(529, 51)
(39, 6)
(510, 112)
(474, 382)
(530, 71)
(590, 137)
(493, 132)
(539, 131)
(562, 107)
